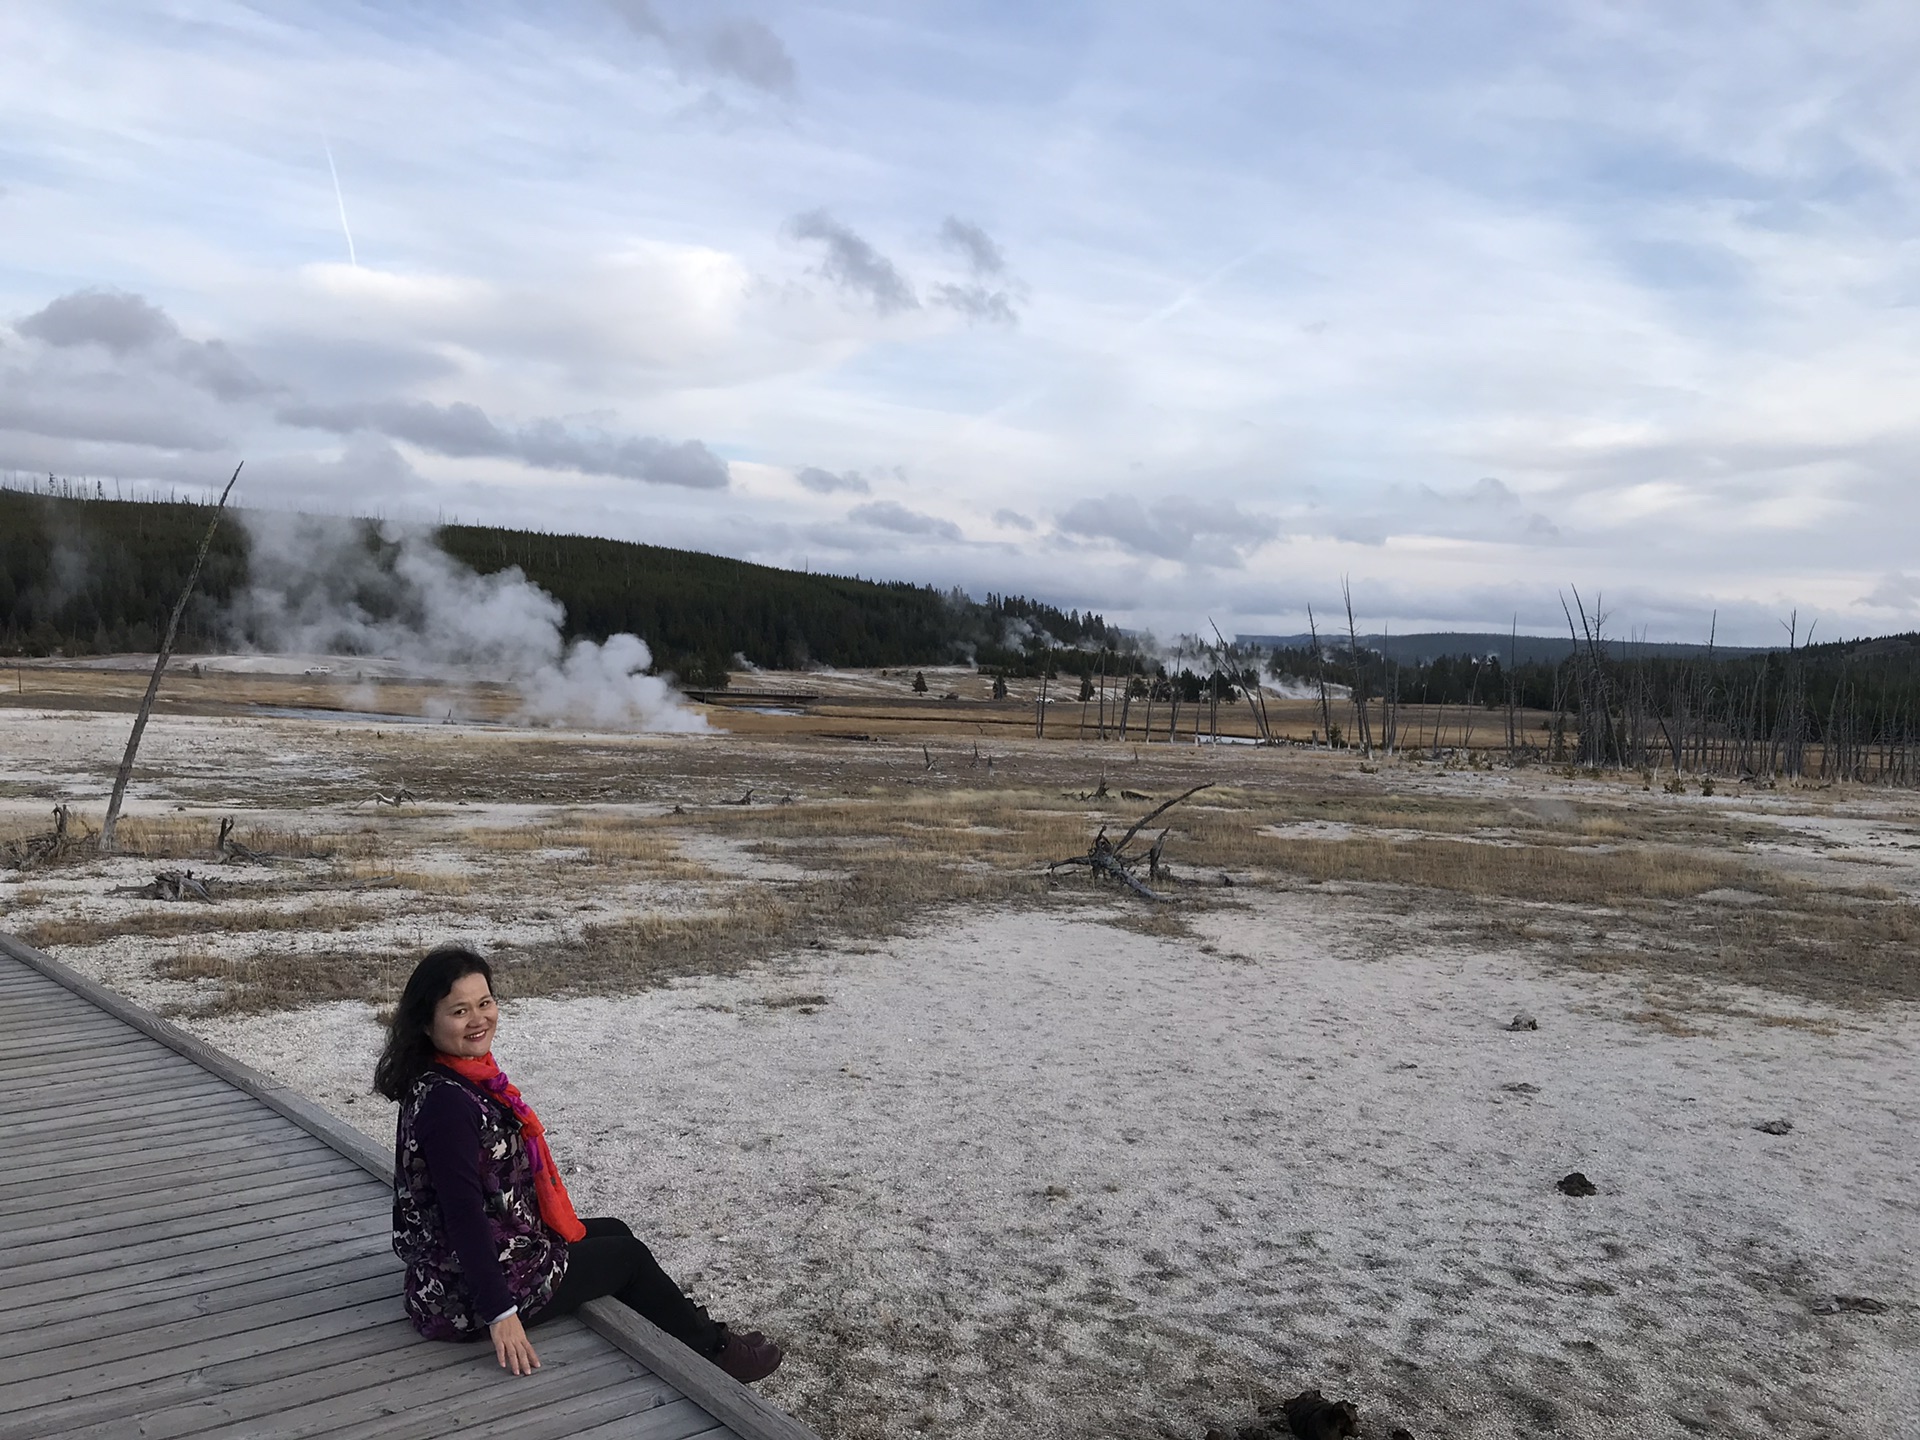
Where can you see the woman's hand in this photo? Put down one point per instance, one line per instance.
(511, 1346)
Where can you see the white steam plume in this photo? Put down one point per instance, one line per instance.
(316, 587)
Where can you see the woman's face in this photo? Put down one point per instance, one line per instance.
(464, 1020)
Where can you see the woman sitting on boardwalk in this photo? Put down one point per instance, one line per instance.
(480, 1215)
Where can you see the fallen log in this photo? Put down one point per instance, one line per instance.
(51, 846)
(1104, 857)
(179, 885)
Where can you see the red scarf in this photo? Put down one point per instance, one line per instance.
(556, 1206)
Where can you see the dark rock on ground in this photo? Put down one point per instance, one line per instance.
(1849, 1305)
(1312, 1416)
(1577, 1184)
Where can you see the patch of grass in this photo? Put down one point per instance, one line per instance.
(1578, 876)
(173, 838)
(188, 918)
(269, 981)
(452, 884)
(600, 840)
(753, 923)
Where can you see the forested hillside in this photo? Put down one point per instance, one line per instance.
(82, 574)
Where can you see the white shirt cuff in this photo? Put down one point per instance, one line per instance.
(510, 1310)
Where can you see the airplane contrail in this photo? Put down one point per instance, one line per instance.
(339, 199)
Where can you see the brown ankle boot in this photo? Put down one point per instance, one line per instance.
(748, 1357)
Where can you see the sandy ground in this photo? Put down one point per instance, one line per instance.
(1034, 1172)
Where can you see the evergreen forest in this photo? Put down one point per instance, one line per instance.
(83, 574)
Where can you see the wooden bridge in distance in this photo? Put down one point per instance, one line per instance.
(193, 1250)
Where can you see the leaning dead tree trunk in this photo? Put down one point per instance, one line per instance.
(159, 668)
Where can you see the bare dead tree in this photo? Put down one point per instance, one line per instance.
(1359, 680)
(1320, 666)
(112, 823)
(1040, 706)
(1513, 657)
(1256, 703)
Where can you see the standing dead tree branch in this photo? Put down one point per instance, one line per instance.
(1320, 668)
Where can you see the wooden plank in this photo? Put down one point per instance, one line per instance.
(584, 1409)
(285, 1213)
(50, 1010)
(136, 1264)
(135, 1132)
(724, 1397)
(34, 1390)
(95, 1203)
(97, 1356)
(144, 1137)
(262, 1128)
(236, 1186)
(138, 1111)
(125, 1310)
(149, 1065)
(420, 1376)
(609, 1390)
(444, 1402)
(676, 1420)
(53, 1008)
(33, 1310)
(20, 1062)
(279, 1223)
(174, 1219)
(69, 1097)
(64, 1041)
(96, 1175)
(34, 1135)
(371, 1347)
(191, 1167)
(141, 1058)
(58, 1032)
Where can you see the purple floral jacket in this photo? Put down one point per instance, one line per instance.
(445, 1301)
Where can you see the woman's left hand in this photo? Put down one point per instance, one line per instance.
(511, 1346)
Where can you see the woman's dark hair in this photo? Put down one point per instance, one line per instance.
(409, 1051)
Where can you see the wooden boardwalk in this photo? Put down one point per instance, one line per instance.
(188, 1248)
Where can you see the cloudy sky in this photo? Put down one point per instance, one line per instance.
(1173, 311)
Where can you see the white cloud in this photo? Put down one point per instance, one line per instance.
(1650, 269)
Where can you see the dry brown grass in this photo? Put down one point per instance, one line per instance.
(742, 926)
(269, 981)
(610, 841)
(753, 924)
(195, 919)
(171, 838)
(1559, 874)
(1007, 829)
(445, 884)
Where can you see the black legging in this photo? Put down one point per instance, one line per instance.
(610, 1261)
